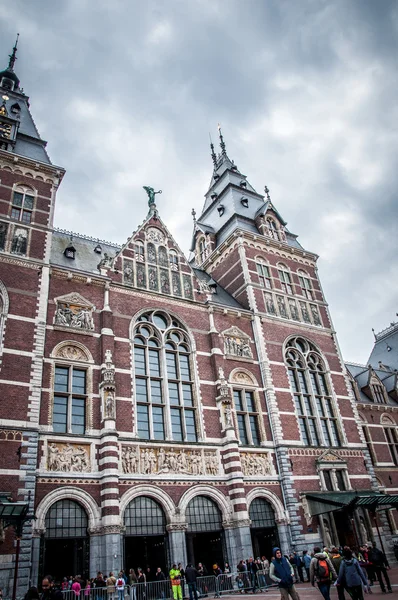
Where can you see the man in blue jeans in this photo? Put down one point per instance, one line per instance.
(190, 577)
(322, 572)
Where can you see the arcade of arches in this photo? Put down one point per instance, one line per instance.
(65, 544)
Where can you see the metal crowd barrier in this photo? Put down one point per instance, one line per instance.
(207, 586)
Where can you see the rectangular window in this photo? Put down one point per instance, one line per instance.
(190, 426)
(341, 481)
(142, 421)
(306, 288)
(176, 424)
(328, 480)
(158, 423)
(392, 441)
(184, 368)
(69, 411)
(286, 283)
(171, 363)
(247, 417)
(264, 275)
(22, 207)
(369, 444)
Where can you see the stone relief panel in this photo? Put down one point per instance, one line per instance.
(148, 461)
(236, 343)
(254, 464)
(75, 312)
(153, 234)
(71, 353)
(68, 457)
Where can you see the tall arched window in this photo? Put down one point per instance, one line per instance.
(305, 284)
(263, 272)
(285, 279)
(3, 313)
(164, 387)
(311, 391)
(272, 229)
(203, 514)
(144, 516)
(66, 518)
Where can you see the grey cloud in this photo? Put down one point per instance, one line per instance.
(126, 93)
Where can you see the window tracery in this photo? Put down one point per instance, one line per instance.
(156, 268)
(164, 385)
(313, 400)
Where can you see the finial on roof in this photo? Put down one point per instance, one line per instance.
(13, 55)
(213, 154)
(222, 143)
(266, 190)
(194, 215)
(374, 333)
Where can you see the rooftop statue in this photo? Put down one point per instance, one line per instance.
(151, 194)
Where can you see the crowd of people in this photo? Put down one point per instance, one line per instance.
(351, 571)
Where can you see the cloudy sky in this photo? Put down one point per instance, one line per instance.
(126, 92)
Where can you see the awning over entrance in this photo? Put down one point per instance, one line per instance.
(323, 502)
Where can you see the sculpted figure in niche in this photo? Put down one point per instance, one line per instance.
(110, 411)
(128, 274)
(228, 415)
(328, 538)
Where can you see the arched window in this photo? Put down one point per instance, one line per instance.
(22, 204)
(285, 279)
(261, 514)
(173, 256)
(66, 519)
(305, 284)
(391, 435)
(202, 249)
(144, 516)
(139, 251)
(203, 514)
(164, 387)
(263, 272)
(311, 391)
(272, 228)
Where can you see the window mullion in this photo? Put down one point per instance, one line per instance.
(165, 387)
(70, 395)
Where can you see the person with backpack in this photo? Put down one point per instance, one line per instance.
(351, 575)
(336, 561)
(380, 565)
(321, 570)
(120, 585)
(282, 572)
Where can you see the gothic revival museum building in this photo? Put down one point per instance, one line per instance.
(158, 409)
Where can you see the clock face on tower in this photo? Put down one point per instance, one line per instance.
(5, 130)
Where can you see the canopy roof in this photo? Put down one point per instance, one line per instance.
(321, 502)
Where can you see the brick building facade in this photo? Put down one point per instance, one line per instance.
(156, 408)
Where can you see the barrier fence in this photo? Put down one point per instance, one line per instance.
(207, 586)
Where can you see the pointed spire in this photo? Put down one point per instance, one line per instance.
(222, 143)
(13, 55)
(213, 154)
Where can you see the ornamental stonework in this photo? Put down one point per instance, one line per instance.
(149, 461)
(236, 343)
(153, 234)
(74, 312)
(68, 457)
(254, 464)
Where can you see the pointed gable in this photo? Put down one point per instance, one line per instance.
(151, 260)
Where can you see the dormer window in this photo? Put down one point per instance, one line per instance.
(272, 228)
(244, 202)
(15, 109)
(7, 84)
(221, 210)
(22, 204)
(378, 393)
(202, 250)
(243, 184)
(70, 252)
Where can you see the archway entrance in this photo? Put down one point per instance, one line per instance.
(205, 535)
(146, 543)
(65, 545)
(263, 528)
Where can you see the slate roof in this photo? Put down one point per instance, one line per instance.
(86, 260)
(385, 350)
(222, 297)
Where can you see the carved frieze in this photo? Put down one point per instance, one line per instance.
(71, 353)
(153, 234)
(178, 461)
(254, 464)
(68, 457)
(75, 312)
(236, 343)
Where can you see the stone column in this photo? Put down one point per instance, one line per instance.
(283, 534)
(112, 548)
(238, 541)
(36, 541)
(177, 543)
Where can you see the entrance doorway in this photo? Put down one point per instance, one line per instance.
(205, 535)
(146, 543)
(344, 528)
(264, 532)
(65, 545)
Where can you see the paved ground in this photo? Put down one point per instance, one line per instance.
(307, 592)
